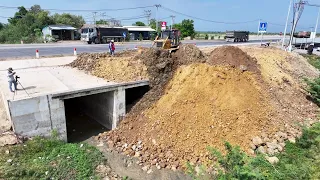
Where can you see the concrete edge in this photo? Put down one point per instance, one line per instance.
(96, 90)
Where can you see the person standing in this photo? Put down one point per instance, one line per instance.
(11, 79)
(112, 47)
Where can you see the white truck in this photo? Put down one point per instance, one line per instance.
(103, 35)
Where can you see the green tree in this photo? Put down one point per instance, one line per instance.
(206, 37)
(138, 23)
(101, 21)
(69, 19)
(186, 28)
(1, 26)
(153, 23)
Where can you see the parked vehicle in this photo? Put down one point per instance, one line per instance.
(99, 35)
(237, 36)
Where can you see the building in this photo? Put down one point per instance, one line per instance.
(135, 32)
(59, 32)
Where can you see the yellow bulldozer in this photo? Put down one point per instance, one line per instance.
(168, 39)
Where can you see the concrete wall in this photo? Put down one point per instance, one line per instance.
(107, 108)
(38, 116)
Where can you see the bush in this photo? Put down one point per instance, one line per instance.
(313, 87)
(212, 37)
(206, 37)
(140, 37)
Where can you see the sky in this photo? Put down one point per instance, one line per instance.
(272, 11)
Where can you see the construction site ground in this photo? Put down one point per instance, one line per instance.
(250, 96)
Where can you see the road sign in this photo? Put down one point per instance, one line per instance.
(163, 25)
(263, 27)
(124, 34)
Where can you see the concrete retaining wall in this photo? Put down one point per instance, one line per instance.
(38, 116)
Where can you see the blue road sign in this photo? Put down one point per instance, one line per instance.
(124, 34)
(263, 26)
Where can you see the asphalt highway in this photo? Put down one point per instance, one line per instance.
(57, 49)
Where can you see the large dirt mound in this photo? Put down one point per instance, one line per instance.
(202, 106)
(234, 57)
(188, 53)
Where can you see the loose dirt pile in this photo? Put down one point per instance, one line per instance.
(236, 96)
(234, 57)
(119, 68)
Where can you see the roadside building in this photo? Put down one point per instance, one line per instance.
(135, 32)
(59, 32)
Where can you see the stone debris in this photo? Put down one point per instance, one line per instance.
(272, 160)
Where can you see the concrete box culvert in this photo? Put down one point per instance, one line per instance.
(39, 116)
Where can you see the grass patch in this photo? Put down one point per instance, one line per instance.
(49, 159)
(314, 60)
(299, 161)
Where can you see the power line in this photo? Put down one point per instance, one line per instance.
(220, 22)
(84, 10)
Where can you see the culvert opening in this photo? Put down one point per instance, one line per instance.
(88, 116)
(133, 95)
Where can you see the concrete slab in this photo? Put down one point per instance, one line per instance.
(45, 76)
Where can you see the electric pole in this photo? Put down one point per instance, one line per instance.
(298, 9)
(148, 15)
(157, 5)
(315, 29)
(172, 21)
(94, 17)
(285, 29)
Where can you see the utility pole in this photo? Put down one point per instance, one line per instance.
(148, 14)
(94, 17)
(172, 21)
(157, 5)
(315, 29)
(285, 29)
(298, 9)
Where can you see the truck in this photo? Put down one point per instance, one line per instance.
(237, 36)
(103, 35)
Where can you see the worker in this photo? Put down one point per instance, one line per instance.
(112, 47)
(11, 79)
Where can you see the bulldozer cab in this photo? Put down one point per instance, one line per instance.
(168, 39)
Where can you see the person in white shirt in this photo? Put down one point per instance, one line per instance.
(11, 80)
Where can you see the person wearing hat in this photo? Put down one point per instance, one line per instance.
(11, 79)
(112, 47)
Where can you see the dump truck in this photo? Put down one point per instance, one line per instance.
(168, 39)
(99, 35)
(237, 36)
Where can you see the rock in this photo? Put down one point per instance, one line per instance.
(292, 140)
(271, 151)
(154, 142)
(252, 146)
(145, 168)
(134, 147)
(158, 166)
(9, 160)
(162, 164)
(261, 150)
(137, 154)
(251, 151)
(282, 134)
(266, 139)
(280, 148)
(257, 141)
(273, 160)
(282, 144)
(174, 168)
(272, 145)
(154, 162)
(100, 144)
(7, 151)
(243, 68)
(149, 171)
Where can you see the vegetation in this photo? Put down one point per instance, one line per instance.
(186, 28)
(299, 161)
(138, 23)
(313, 85)
(26, 24)
(101, 21)
(49, 159)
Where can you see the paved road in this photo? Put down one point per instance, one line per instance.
(28, 50)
